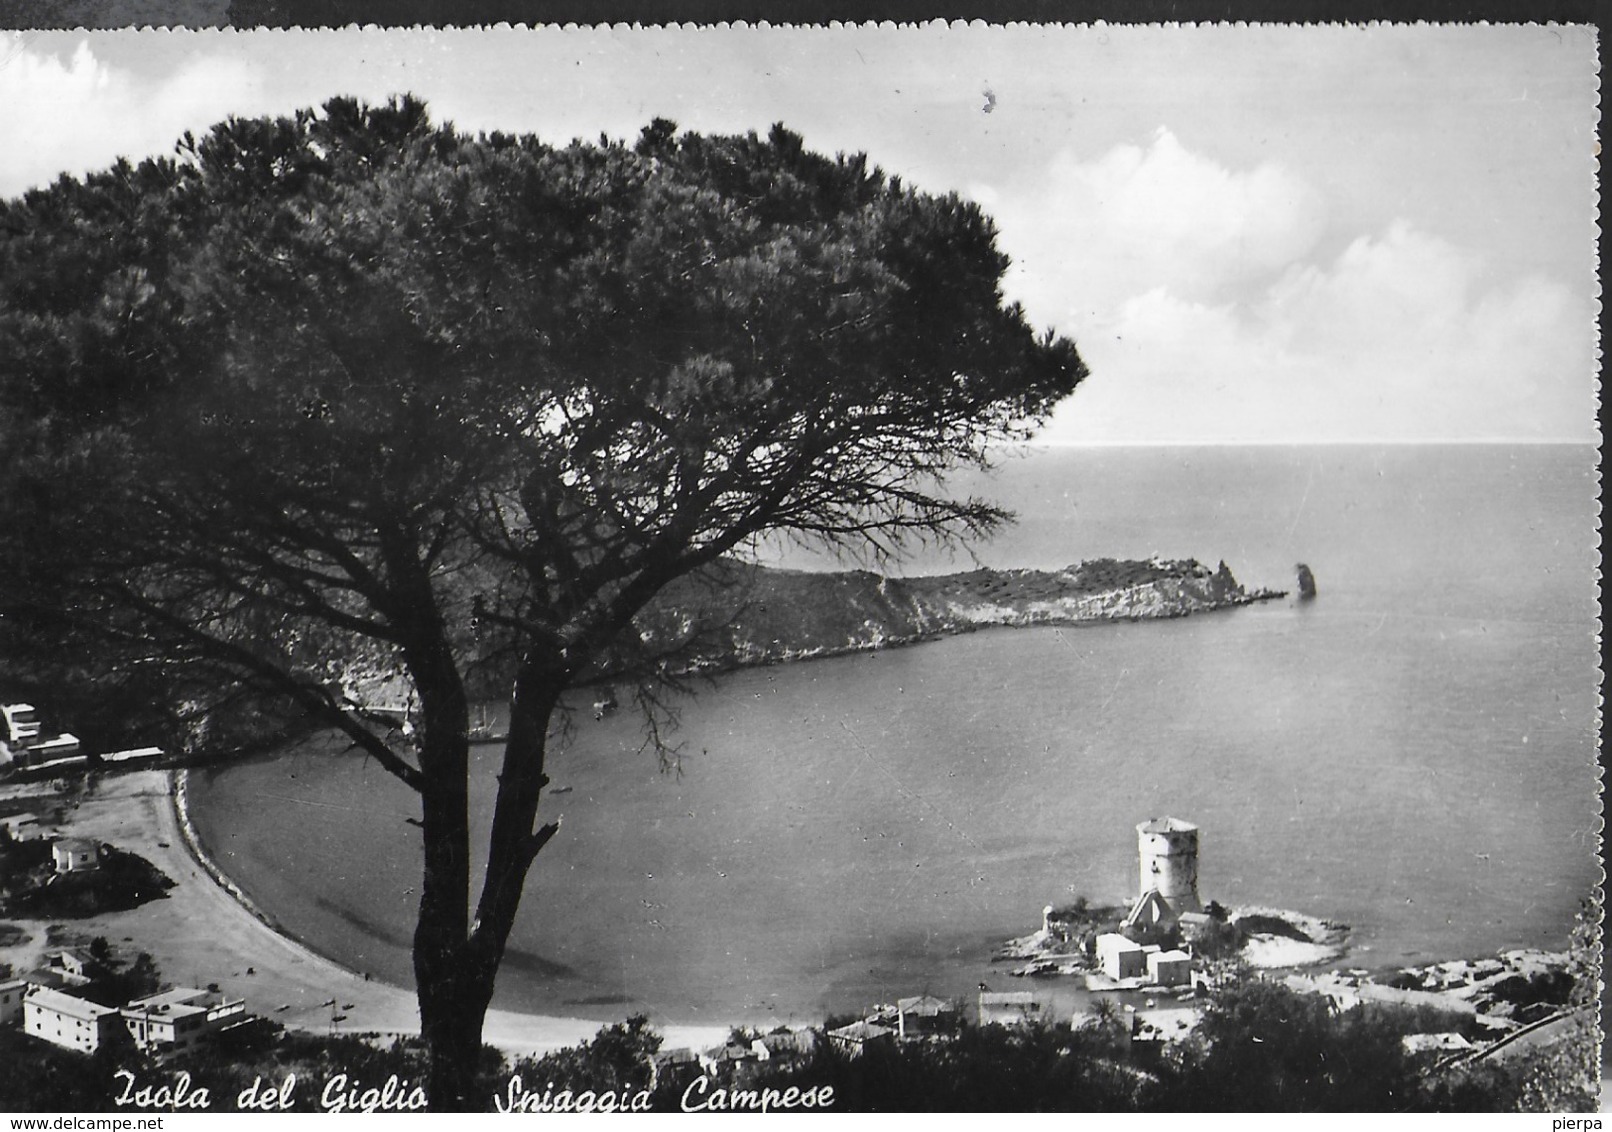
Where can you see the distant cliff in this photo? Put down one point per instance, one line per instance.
(742, 616)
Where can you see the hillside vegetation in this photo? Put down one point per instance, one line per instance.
(738, 615)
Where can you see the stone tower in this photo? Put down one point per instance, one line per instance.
(1168, 848)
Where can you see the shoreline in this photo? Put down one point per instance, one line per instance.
(238, 947)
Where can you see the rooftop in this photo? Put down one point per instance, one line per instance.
(1006, 998)
(862, 1031)
(180, 1002)
(68, 1005)
(924, 1004)
(1166, 825)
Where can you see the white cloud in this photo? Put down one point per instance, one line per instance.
(1402, 337)
(81, 114)
(1198, 299)
(1095, 233)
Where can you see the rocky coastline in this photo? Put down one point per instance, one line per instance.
(745, 616)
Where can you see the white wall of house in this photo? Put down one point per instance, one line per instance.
(69, 1022)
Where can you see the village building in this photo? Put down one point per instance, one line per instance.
(925, 1016)
(1152, 1030)
(53, 978)
(725, 1058)
(133, 755)
(1195, 926)
(181, 1018)
(1435, 1047)
(857, 1038)
(1120, 957)
(71, 966)
(11, 996)
(58, 750)
(1169, 968)
(72, 1023)
(22, 725)
(1008, 1008)
(679, 1060)
(23, 827)
(784, 1045)
(76, 855)
(25, 745)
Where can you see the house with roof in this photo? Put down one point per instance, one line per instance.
(725, 1058)
(52, 978)
(72, 1023)
(58, 750)
(11, 996)
(21, 724)
(1169, 968)
(924, 1016)
(859, 1037)
(678, 1060)
(1120, 957)
(73, 966)
(28, 745)
(1009, 1008)
(1435, 1047)
(75, 855)
(23, 827)
(783, 1045)
(181, 1018)
(132, 755)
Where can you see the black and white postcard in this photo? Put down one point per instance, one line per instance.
(833, 568)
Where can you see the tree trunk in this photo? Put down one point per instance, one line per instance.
(455, 962)
(453, 997)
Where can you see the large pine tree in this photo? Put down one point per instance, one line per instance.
(349, 395)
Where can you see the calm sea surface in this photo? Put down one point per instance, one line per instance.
(1412, 753)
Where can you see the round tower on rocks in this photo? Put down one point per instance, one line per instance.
(1168, 848)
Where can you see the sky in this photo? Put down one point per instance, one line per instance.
(1255, 234)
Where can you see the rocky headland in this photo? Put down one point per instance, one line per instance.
(737, 615)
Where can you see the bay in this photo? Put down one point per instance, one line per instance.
(1413, 753)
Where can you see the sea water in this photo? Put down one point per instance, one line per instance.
(1412, 752)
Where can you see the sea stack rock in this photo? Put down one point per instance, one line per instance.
(1306, 581)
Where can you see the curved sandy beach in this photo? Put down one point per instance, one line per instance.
(201, 934)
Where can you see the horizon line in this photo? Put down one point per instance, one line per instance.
(1357, 442)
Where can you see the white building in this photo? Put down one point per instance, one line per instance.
(74, 964)
(1119, 957)
(181, 1018)
(72, 1023)
(923, 1015)
(76, 855)
(22, 727)
(857, 1038)
(1009, 1008)
(134, 754)
(1169, 968)
(58, 749)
